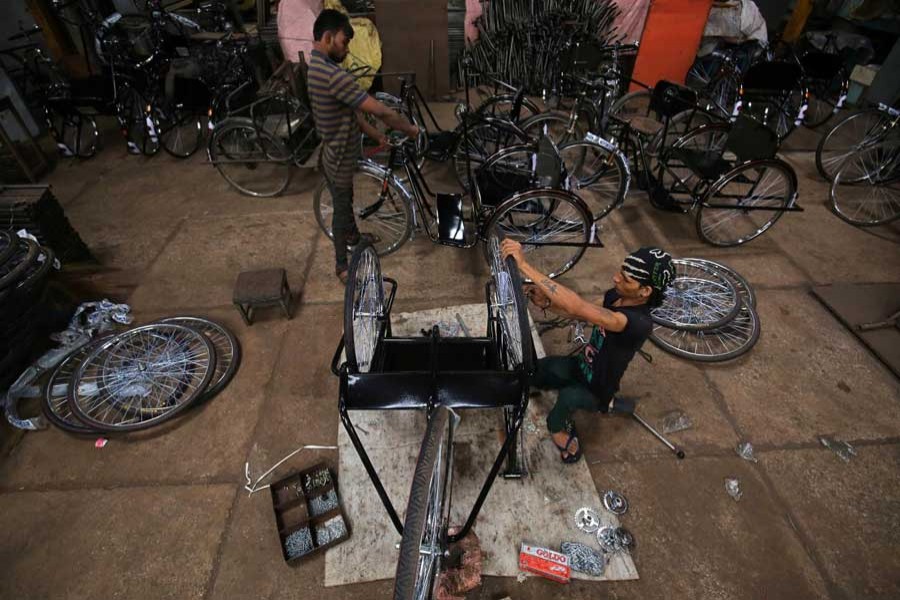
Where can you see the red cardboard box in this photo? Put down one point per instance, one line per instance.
(545, 562)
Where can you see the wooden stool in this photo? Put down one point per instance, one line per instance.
(255, 289)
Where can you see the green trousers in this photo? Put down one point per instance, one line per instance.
(562, 373)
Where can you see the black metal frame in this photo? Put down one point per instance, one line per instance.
(438, 382)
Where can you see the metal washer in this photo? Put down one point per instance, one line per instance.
(615, 502)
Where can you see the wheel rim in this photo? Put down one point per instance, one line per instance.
(848, 138)
(723, 343)
(228, 350)
(595, 175)
(700, 297)
(766, 184)
(389, 225)
(182, 134)
(544, 216)
(250, 161)
(365, 291)
(505, 307)
(56, 406)
(484, 140)
(872, 196)
(142, 377)
(743, 287)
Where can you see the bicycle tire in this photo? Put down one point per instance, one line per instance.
(510, 310)
(181, 133)
(54, 402)
(887, 184)
(138, 124)
(8, 244)
(228, 351)
(716, 345)
(247, 148)
(427, 512)
(700, 298)
(541, 124)
(823, 99)
(743, 287)
(364, 318)
(75, 122)
(490, 108)
(760, 194)
(849, 128)
(526, 216)
(133, 371)
(485, 138)
(22, 258)
(598, 176)
(395, 215)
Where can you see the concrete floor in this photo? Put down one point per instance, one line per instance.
(163, 514)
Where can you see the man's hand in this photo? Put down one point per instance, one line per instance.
(513, 248)
(412, 133)
(537, 296)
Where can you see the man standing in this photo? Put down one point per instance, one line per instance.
(622, 324)
(338, 104)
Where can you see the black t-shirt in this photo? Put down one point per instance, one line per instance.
(606, 356)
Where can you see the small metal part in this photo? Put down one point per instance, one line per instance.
(615, 502)
(733, 487)
(624, 539)
(587, 520)
(606, 537)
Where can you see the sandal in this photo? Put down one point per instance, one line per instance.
(573, 457)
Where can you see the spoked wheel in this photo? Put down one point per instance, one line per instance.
(508, 308)
(55, 398)
(181, 132)
(769, 184)
(384, 213)
(598, 176)
(501, 106)
(364, 309)
(629, 106)
(874, 198)
(228, 351)
(743, 287)
(700, 146)
(254, 162)
(555, 126)
(711, 345)
(428, 511)
(485, 138)
(139, 125)
(141, 377)
(552, 225)
(847, 138)
(700, 297)
(77, 133)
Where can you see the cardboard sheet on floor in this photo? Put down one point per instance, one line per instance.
(539, 509)
(858, 303)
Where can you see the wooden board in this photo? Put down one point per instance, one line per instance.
(409, 29)
(671, 38)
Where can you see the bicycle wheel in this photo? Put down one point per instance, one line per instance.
(228, 351)
(700, 297)
(850, 135)
(137, 122)
(485, 138)
(364, 318)
(824, 95)
(509, 309)
(75, 134)
(539, 219)
(254, 162)
(704, 144)
(20, 260)
(500, 107)
(597, 175)
(56, 392)
(142, 377)
(555, 126)
(388, 220)
(181, 132)
(713, 345)
(743, 287)
(769, 184)
(427, 512)
(874, 198)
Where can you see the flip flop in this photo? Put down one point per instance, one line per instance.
(573, 457)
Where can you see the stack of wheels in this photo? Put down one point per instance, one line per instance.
(141, 377)
(708, 315)
(24, 270)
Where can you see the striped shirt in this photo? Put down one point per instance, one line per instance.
(335, 96)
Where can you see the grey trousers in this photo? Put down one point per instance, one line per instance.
(342, 223)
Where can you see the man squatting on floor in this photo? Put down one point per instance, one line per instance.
(590, 380)
(338, 104)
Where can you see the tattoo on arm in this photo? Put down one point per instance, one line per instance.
(551, 287)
